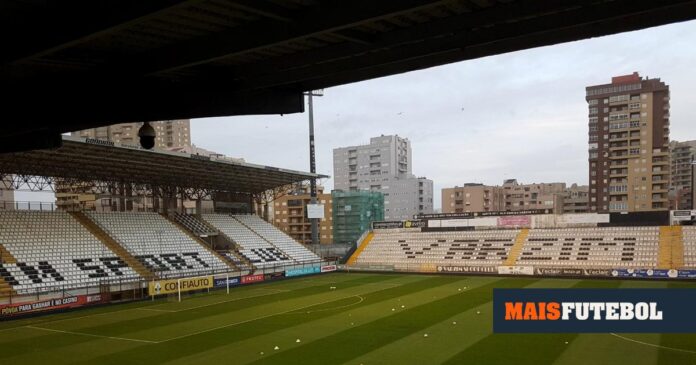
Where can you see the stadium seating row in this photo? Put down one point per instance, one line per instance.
(53, 251)
(609, 247)
(158, 244)
(260, 242)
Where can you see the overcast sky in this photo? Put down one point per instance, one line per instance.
(518, 115)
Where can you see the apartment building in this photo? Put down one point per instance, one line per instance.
(681, 193)
(384, 165)
(629, 168)
(170, 133)
(290, 216)
(513, 196)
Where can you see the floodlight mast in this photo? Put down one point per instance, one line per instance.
(312, 163)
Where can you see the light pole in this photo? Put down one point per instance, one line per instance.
(312, 163)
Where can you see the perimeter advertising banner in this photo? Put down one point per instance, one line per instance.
(222, 282)
(274, 276)
(248, 279)
(303, 271)
(172, 286)
(515, 270)
(328, 268)
(654, 273)
(8, 310)
(468, 269)
(515, 221)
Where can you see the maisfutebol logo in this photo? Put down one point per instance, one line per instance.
(555, 311)
(593, 310)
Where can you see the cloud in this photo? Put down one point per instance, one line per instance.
(517, 115)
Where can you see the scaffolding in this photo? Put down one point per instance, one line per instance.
(354, 212)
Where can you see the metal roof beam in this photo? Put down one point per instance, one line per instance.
(262, 34)
(63, 24)
(554, 29)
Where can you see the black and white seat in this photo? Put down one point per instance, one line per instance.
(55, 252)
(159, 244)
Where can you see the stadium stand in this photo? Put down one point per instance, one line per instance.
(260, 242)
(470, 248)
(607, 247)
(53, 251)
(159, 244)
(258, 251)
(611, 247)
(276, 237)
(193, 224)
(689, 239)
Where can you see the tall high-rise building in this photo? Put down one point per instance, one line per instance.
(629, 145)
(681, 194)
(385, 166)
(170, 133)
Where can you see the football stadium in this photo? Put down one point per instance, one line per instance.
(153, 253)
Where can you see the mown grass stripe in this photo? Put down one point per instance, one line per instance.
(171, 350)
(370, 336)
(47, 341)
(445, 338)
(525, 348)
(123, 328)
(313, 329)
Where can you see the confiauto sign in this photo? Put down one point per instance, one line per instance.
(172, 286)
(593, 310)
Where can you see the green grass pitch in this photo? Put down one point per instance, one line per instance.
(367, 319)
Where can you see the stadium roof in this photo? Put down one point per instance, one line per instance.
(78, 64)
(94, 160)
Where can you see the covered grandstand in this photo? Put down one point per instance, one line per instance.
(88, 257)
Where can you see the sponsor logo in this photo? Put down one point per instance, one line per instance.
(328, 268)
(515, 270)
(559, 271)
(275, 276)
(511, 221)
(303, 271)
(387, 225)
(48, 305)
(593, 310)
(469, 269)
(222, 283)
(483, 214)
(252, 278)
(172, 286)
(94, 298)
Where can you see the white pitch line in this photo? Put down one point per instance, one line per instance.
(334, 308)
(216, 303)
(262, 317)
(91, 335)
(652, 344)
(155, 310)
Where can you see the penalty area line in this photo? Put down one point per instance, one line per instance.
(91, 335)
